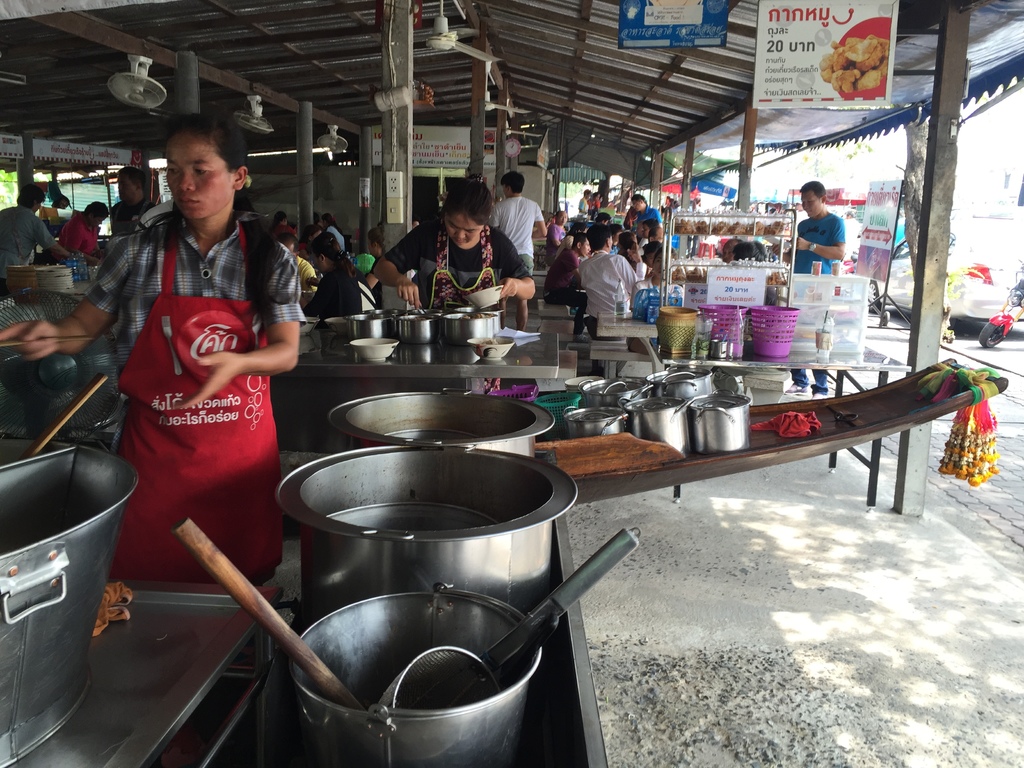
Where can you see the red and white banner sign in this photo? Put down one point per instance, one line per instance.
(820, 53)
(83, 154)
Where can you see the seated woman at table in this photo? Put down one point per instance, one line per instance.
(456, 255)
(82, 232)
(556, 234)
(343, 289)
(652, 261)
(562, 284)
(630, 249)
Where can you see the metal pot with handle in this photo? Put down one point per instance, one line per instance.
(662, 419)
(682, 382)
(593, 422)
(719, 423)
(612, 392)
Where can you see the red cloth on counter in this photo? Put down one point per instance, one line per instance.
(791, 424)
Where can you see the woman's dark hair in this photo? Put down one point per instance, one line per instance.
(750, 251)
(326, 245)
(226, 136)
(652, 254)
(279, 217)
(96, 209)
(309, 233)
(30, 195)
(626, 241)
(376, 235)
(472, 199)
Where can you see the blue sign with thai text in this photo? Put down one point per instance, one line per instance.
(672, 23)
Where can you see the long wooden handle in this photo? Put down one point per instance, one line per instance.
(253, 603)
(19, 342)
(65, 415)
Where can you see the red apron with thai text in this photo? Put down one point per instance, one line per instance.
(216, 462)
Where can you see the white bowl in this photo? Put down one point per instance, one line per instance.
(488, 297)
(374, 350)
(491, 349)
(338, 324)
(309, 325)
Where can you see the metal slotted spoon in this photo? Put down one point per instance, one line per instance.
(448, 676)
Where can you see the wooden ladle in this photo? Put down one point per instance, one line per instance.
(72, 408)
(241, 589)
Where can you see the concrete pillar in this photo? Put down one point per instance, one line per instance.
(26, 163)
(691, 151)
(657, 175)
(933, 241)
(746, 159)
(304, 161)
(396, 72)
(365, 175)
(186, 83)
(500, 134)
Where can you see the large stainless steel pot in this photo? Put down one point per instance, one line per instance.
(367, 326)
(682, 382)
(417, 329)
(59, 521)
(662, 419)
(387, 520)
(367, 644)
(460, 327)
(611, 392)
(594, 421)
(720, 423)
(446, 419)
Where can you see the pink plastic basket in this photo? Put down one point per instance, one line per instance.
(527, 392)
(771, 329)
(727, 321)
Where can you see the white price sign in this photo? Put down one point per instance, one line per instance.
(735, 285)
(814, 53)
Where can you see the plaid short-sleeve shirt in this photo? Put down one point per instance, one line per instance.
(129, 280)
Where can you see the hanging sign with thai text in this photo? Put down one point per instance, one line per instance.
(818, 53)
(735, 285)
(672, 23)
(440, 146)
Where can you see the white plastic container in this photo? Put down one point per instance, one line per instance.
(845, 298)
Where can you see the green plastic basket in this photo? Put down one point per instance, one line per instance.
(554, 403)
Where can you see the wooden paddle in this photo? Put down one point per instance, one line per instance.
(241, 589)
(55, 426)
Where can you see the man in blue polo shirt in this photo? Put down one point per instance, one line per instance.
(643, 210)
(820, 237)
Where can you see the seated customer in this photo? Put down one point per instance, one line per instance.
(82, 232)
(750, 251)
(343, 289)
(601, 274)
(561, 286)
(652, 260)
(308, 280)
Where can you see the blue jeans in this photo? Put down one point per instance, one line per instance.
(820, 386)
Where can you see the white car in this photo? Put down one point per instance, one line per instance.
(984, 260)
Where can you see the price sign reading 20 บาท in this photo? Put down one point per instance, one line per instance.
(819, 53)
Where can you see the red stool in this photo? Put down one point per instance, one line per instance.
(705, 251)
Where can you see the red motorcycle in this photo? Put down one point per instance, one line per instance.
(998, 328)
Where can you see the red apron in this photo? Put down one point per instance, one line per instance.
(217, 462)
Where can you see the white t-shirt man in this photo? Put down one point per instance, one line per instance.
(600, 276)
(516, 216)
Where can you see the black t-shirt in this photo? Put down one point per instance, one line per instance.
(418, 250)
(339, 295)
(124, 216)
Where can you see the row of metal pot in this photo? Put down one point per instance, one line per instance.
(424, 326)
(677, 407)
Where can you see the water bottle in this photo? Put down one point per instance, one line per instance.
(72, 263)
(620, 300)
(83, 270)
(653, 306)
(674, 297)
(640, 301)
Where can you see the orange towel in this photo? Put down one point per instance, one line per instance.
(113, 606)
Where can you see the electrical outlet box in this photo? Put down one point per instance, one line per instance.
(393, 185)
(395, 210)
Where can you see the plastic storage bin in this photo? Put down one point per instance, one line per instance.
(845, 298)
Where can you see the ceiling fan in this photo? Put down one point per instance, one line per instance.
(252, 119)
(443, 39)
(137, 88)
(490, 106)
(331, 141)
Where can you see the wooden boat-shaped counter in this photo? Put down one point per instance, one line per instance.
(620, 465)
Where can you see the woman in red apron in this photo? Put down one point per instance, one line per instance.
(208, 309)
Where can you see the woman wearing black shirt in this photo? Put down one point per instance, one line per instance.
(343, 289)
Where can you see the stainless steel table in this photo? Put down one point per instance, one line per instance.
(328, 375)
(148, 674)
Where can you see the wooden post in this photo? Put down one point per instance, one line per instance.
(479, 114)
(746, 159)
(933, 241)
(396, 51)
(657, 174)
(500, 134)
(304, 162)
(691, 150)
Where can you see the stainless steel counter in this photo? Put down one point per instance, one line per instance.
(328, 375)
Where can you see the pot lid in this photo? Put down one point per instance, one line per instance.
(612, 386)
(687, 375)
(655, 404)
(594, 414)
(720, 400)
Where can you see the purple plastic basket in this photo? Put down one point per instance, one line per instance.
(771, 329)
(527, 392)
(727, 321)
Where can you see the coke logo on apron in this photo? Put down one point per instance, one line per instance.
(212, 331)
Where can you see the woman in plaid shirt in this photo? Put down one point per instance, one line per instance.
(206, 307)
